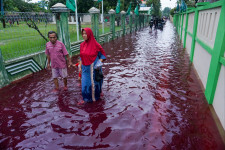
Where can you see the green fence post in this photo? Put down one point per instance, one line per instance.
(4, 80)
(145, 20)
(140, 20)
(95, 21)
(123, 13)
(179, 23)
(130, 21)
(112, 22)
(177, 17)
(175, 20)
(62, 24)
(185, 30)
(218, 51)
(182, 23)
(136, 21)
(148, 20)
(195, 26)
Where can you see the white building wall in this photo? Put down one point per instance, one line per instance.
(188, 44)
(180, 24)
(191, 18)
(183, 31)
(206, 32)
(86, 18)
(207, 25)
(83, 19)
(219, 99)
(201, 62)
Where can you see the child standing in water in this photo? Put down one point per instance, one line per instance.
(78, 65)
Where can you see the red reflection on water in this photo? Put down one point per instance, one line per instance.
(152, 100)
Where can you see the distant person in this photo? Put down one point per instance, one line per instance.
(160, 25)
(151, 24)
(156, 23)
(163, 21)
(92, 55)
(56, 52)
(10, 22)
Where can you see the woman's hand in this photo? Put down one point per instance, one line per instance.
(101, 60)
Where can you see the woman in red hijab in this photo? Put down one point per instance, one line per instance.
(92, 55)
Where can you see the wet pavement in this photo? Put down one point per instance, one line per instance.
(152, 100)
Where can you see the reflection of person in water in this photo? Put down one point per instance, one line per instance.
(96, 117)
(86, 120)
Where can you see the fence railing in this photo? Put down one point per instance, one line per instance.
(202, 32)
(4, 80)
(23, 41)
(19, 39)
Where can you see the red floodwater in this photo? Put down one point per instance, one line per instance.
(152, 100)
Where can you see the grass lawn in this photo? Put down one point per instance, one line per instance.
(20, 40)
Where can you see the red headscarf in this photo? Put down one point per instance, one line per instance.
(89, 49)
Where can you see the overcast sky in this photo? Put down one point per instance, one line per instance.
(168, 3)
(165, 3)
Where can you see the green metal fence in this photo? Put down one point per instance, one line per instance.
(4, 80)
(23, 47)
(216, 51)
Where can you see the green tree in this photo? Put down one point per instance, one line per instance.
(190, 3)
(21, 6)
(156, 12)
(8, 5)
(84, 5)
(43, 4)
(149, 2)
(172, 11)
(166, 11)
(111, 4)
(125, 4)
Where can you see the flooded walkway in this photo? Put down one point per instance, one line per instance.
(152, 100)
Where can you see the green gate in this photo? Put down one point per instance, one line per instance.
(4, 80)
